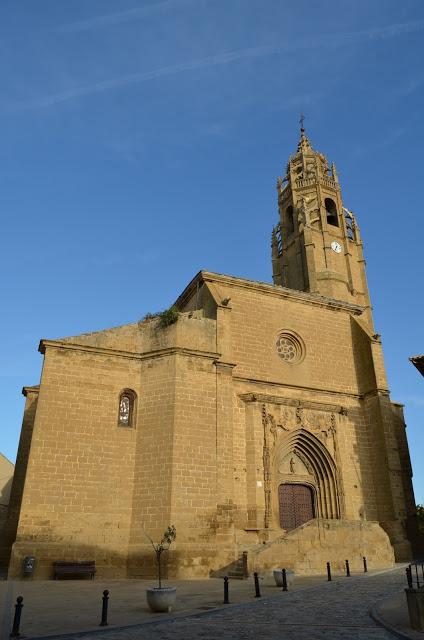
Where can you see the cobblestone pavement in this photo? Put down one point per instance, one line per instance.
(336, 610)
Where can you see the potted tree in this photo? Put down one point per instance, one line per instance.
(160, 598)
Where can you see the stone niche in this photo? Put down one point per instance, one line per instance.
(290, 468)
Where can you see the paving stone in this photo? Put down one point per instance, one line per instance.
(335, 611)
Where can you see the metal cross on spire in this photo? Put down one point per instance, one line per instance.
(304, 144)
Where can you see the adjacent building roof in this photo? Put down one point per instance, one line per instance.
(418, 361)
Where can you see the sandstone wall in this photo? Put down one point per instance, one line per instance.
(8, 533)
(215, 404)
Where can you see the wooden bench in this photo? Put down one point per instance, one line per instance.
(74, 568)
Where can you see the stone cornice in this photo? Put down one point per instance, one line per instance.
(376, 392)
(28, 390)
(327, 392)
(314, 299)
(107, 351)
(297, 387)
(264, 398)
(226, 367)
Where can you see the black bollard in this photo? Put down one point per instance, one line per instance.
(328, 572)
(105, 602)
(409, 576)
(257, 589)
(283, 571)
(226, 597)
(365, 564)
(17, 618)
(347, 569)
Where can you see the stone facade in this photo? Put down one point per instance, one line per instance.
(6, 476)
(201, 423)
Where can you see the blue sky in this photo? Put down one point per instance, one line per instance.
(141, 142)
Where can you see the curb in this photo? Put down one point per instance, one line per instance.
(378, 619)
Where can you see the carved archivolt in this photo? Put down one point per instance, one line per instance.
(301, 442)
(320, 466)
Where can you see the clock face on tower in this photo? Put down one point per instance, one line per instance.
(336, 247)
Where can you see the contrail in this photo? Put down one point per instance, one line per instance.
(380, 33)
(135, 78)
(119, 16)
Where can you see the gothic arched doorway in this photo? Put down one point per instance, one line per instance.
(296, 503)
(302, 459)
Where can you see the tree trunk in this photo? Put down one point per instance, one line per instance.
(159, 573)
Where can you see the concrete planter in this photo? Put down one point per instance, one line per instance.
(161, 600)
(278, 577)
(415, 600)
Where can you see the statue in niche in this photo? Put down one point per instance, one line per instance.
(310, 169)
(297, 168)
(308, 211)
(294, 464)
(287, 419)
(273, 429)
(299, 416)
(324, 164)
(303, 216)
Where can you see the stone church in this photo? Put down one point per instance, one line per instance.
(256, 418)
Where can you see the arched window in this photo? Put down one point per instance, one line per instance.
(289, 220)
(127, 408)
(350, 224)
(331, 209)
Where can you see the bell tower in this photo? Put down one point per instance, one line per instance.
(316, 246)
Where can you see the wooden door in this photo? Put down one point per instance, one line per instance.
(296, 505)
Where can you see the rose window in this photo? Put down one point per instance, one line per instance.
(289, 348)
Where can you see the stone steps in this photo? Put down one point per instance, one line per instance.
(234, 570)
(307, 549)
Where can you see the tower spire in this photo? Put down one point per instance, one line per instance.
(317, 247)
(304, 144)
